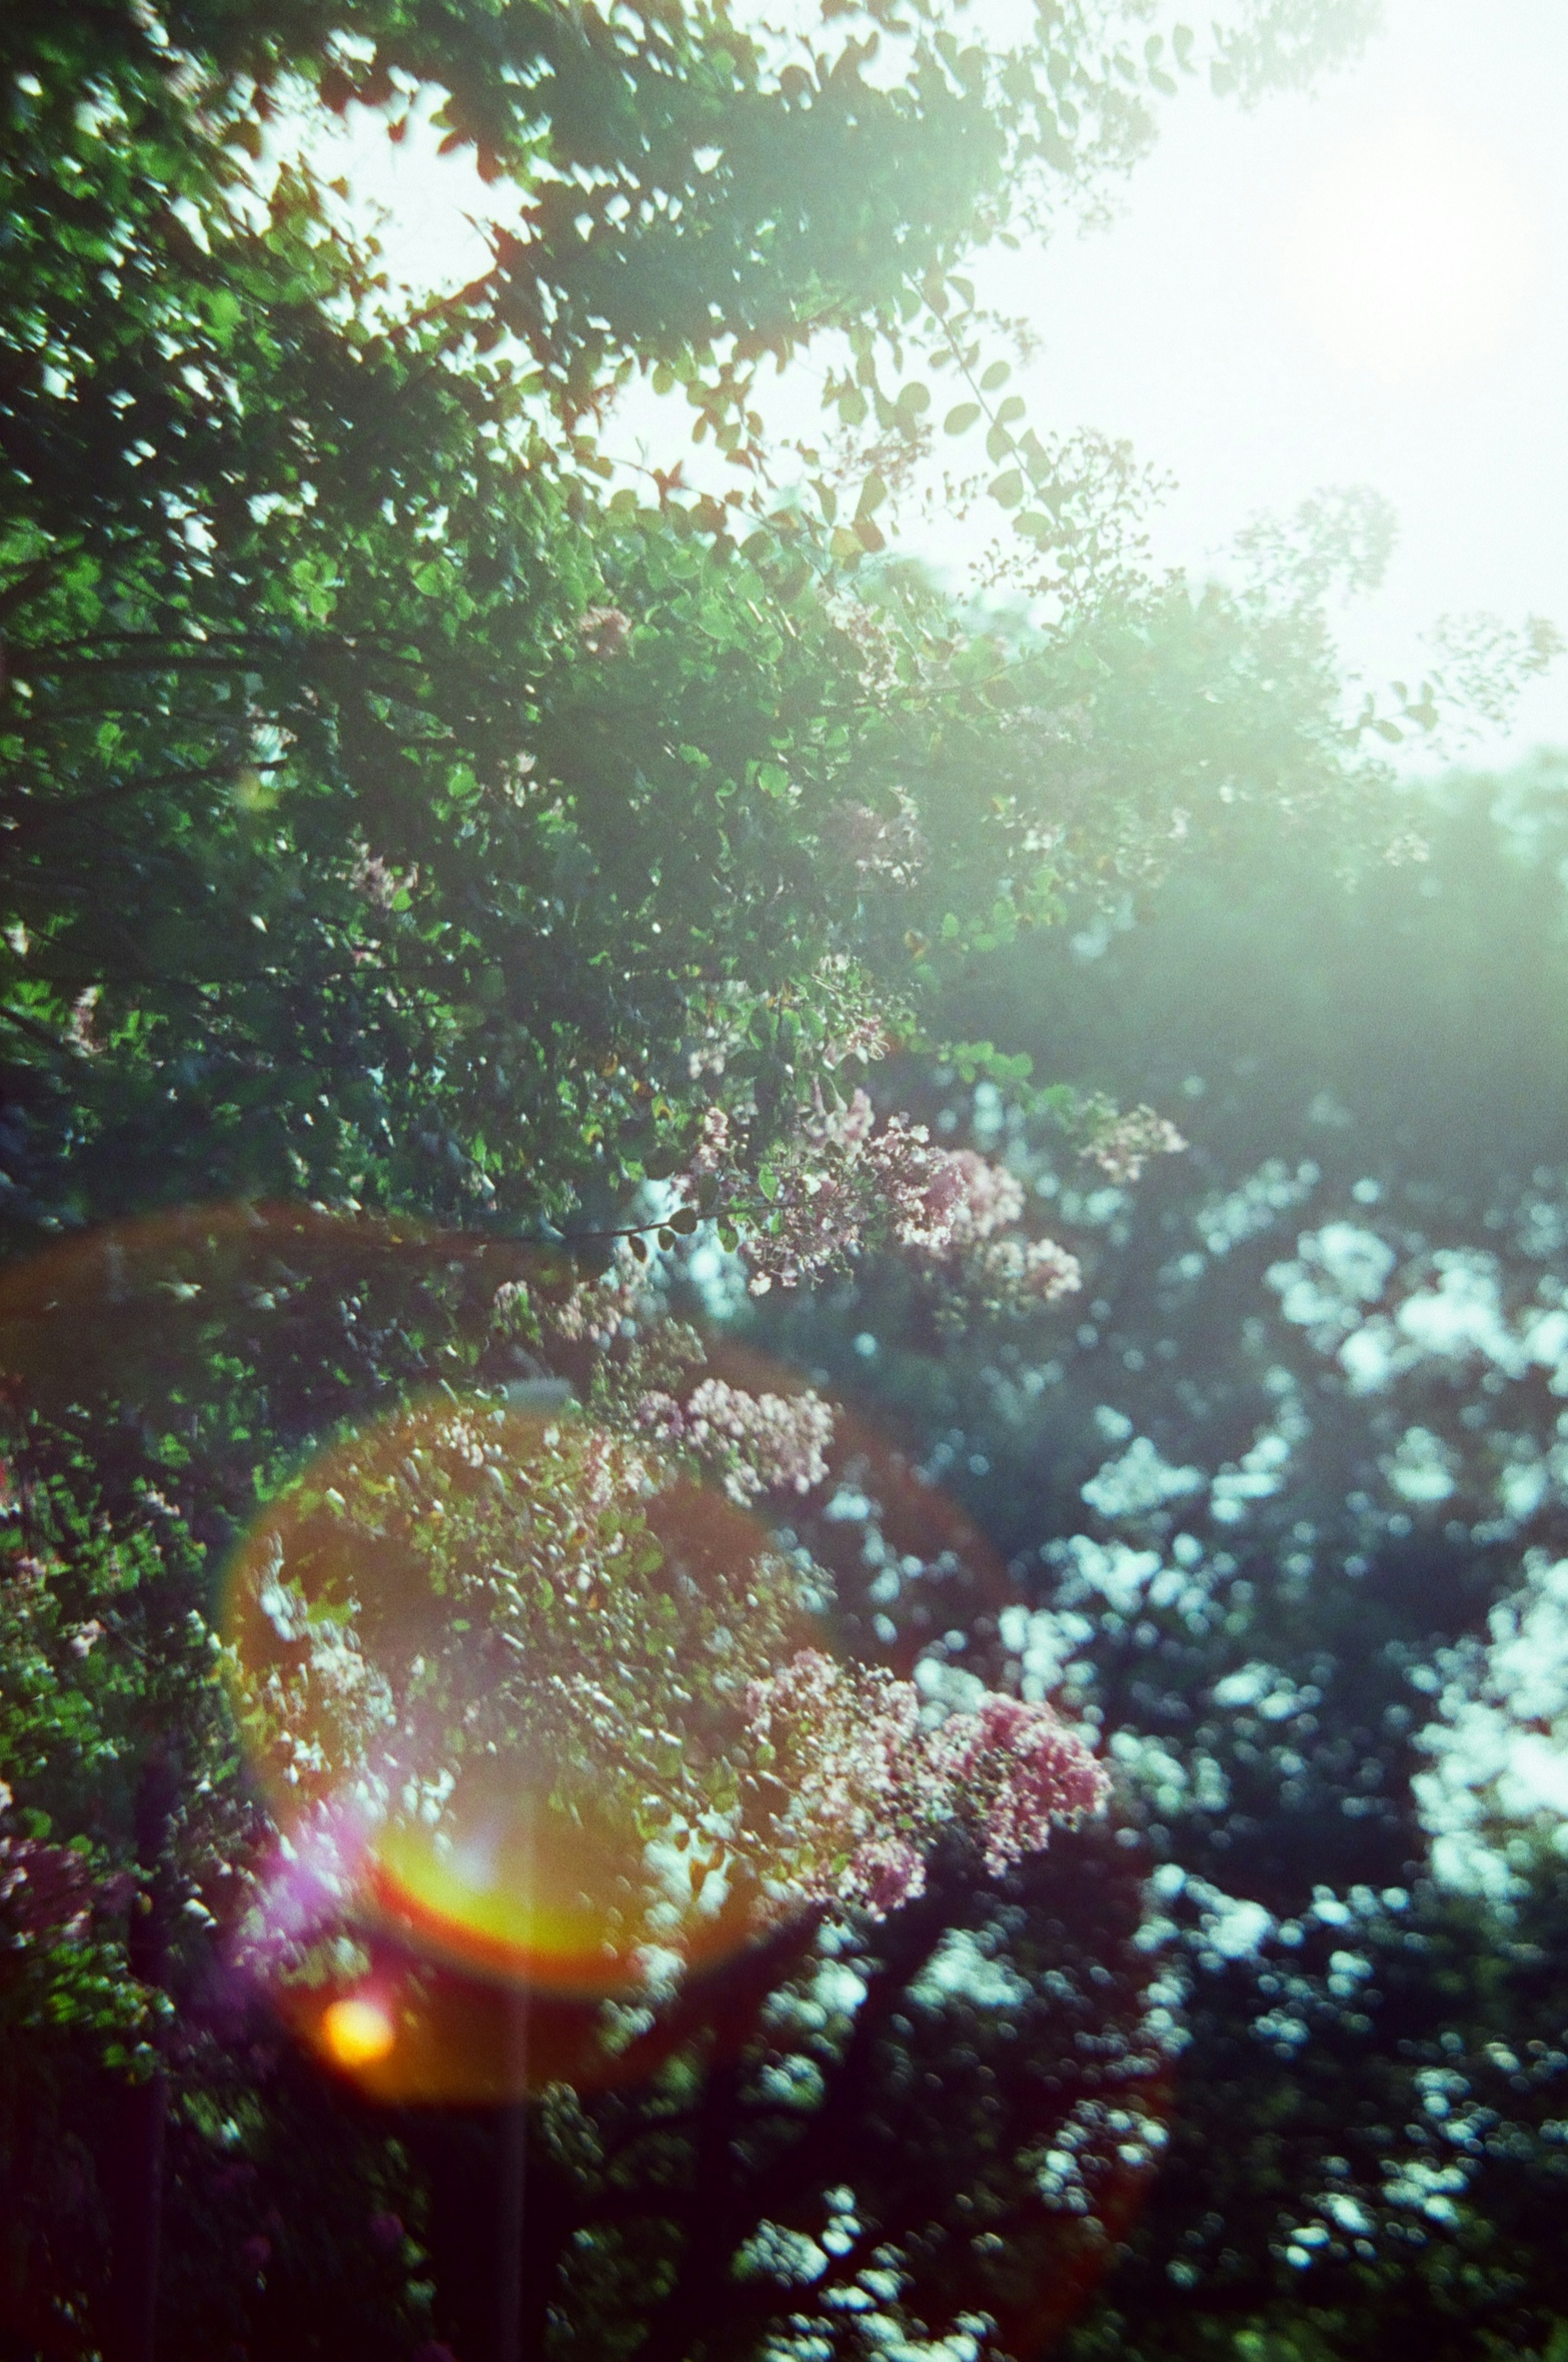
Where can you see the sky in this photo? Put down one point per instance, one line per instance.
(1366, 284)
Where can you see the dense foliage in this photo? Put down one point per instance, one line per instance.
(1284, 1513)
(456, 899)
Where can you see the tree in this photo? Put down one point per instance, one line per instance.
(504, 858)
(1284, 1516)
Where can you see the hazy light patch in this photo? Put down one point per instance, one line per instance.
(1412, 250)
(356, 2032)
(1138, 1481)
(1497, 1792)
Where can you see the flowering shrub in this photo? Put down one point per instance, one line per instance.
(1013, 1273)
(1123, 1144)
(469, 1631)
(868, 1788)
(847, 1182)
(759, 1443)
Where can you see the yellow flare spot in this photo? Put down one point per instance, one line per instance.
(356, 2032)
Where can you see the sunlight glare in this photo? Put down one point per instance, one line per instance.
(1412, 252)
(356, 2032)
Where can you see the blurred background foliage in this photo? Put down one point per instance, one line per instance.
(1301, 1580)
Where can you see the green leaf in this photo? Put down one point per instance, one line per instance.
(1011, 408)
(998, 374)
(961, 417)
(872, 492)
(1009, 488)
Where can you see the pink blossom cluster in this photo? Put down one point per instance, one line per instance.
(844, 1175)
(991, 1198)
(714, 1148)
(840, 1174)
(844, 1744)
(886, 849)
(603, 631)
(1123, 1145)
(1029, 1271)
(45, 1890)
(864, 1036)
(855, 1020)
(1019, 1771)
(596, 1308)
(868, 1788)
(724, 1023)
(763, 1443)
(376, 881)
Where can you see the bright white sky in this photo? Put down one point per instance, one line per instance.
(1365, 285)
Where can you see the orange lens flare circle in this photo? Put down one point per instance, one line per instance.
(490, 1668)
(356, 2032)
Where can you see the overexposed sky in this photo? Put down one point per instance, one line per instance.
(1367, 284)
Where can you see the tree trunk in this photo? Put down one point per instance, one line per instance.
(139, 2112)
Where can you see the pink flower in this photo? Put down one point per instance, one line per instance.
(887, 848)
(1123, 1144)
(761, 1443)
(715, 1149)
(660, 1416)
(376, 881)
(1029, 1271)
(596, 1308)
(1022, 1773)
(603, 630)
(866, 1786)
(841, 1176)
(990, 1197)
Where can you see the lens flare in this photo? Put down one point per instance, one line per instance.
(492, 1671)
(518, 1692)
(356, 2031)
